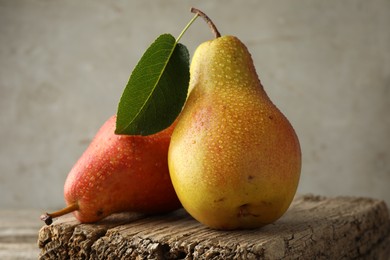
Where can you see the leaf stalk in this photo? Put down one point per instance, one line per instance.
(186, 28)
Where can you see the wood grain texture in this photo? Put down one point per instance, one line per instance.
(19, 234)
(313, 227)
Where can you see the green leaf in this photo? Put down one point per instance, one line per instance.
(157, 89)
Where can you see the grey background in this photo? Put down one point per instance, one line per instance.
(64, 65)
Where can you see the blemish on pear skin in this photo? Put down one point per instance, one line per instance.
(265, 203)
(250, 177)
(219, 200)
(244, 211)
(99, 212)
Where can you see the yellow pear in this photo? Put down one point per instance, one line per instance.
(234, 158)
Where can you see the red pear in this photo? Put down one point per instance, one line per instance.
(119, 173)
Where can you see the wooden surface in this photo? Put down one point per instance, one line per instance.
(313, 227)
(19, 233)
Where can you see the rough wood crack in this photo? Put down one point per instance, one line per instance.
(313, 227)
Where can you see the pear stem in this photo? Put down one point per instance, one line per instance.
(48, 217)
(208, 21)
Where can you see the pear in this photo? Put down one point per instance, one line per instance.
(234, 158)
(118, 173)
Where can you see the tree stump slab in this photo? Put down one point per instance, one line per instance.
(313, 228)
